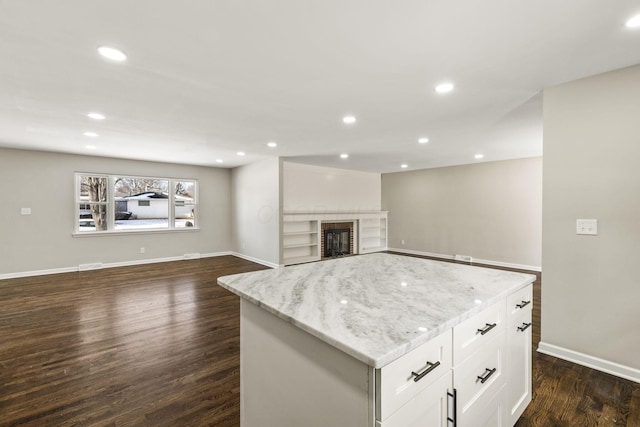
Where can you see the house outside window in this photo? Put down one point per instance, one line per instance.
(110, 203)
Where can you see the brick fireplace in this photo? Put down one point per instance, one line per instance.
(325, 225)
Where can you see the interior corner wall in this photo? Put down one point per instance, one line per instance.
(45, 182)
(318, 189)
(255, 201)
(591, 285)
(491, 211)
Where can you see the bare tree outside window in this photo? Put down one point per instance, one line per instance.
(95, 189)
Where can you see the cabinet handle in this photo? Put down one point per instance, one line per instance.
(421, 375)
(524, 327)
(452, 409)
(487, 328)
(523, 304)
(487, 374)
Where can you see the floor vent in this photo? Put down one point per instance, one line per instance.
(191, 256)
(92, 266)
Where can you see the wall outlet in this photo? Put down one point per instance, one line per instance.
(402, 241)
(587, 226)
(464, 258)
(142, 250)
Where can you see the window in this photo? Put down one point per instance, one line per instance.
(110, 203)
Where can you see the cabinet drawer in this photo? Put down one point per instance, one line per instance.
(471, 334)
(519, 301)
(401, 380)
(487, 363)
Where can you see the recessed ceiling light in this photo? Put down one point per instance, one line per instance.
(218, 160)
(349, 119)
(444, 87)
(404, 166)
(479, 156)
(423, 140)
(90, 147)
(240, 153)
(96, 116)
(272, 144)
(633, 22)
(90, 134)
(344, 156)
(112, 53)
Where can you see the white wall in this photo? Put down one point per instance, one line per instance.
(255, 200)
(591, 288)
(321, 189)
(491, 211)
(45, 183)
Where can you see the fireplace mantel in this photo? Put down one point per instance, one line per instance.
(301, 233)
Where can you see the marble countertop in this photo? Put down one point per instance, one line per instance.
(375, 307)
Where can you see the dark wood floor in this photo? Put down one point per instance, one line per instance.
(158, 345)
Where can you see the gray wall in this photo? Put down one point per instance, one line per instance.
(591, 291)
(45, 183)
(256, 205)
(490, 211)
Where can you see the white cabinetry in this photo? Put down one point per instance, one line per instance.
(519, 352)
(479, 365)
(485, 361)
(477, 373)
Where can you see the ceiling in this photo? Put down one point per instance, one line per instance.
(205, 79)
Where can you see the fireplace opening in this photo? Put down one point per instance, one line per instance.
(337, 242)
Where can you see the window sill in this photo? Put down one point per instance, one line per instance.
(131, 232)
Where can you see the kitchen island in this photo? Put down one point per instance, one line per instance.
(382, 340)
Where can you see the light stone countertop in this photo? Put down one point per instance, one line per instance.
(375, 307)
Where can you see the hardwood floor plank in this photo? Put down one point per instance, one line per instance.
(158, 345)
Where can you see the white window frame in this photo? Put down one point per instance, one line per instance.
(111, 221)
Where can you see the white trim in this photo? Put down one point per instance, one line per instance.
(83, 267)
(475, 260)
(593, 362)
(20, 274)
(256, 260)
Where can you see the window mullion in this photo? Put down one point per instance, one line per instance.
(172, 204)
(111, 209)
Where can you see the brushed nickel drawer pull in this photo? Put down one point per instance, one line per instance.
(421, 375)
(524, 327)
(523, 304)
(488, 327)
(487, 374)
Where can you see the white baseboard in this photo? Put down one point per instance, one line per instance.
(475, 260)
(596, 363)
(86, 267)
(20, 274)
(256, 260)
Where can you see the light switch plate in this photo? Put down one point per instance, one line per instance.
(25, 211)
(587, 226)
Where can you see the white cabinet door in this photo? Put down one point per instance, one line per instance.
(427, 409)
(519, 365)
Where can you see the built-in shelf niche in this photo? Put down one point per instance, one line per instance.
(301, 234)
